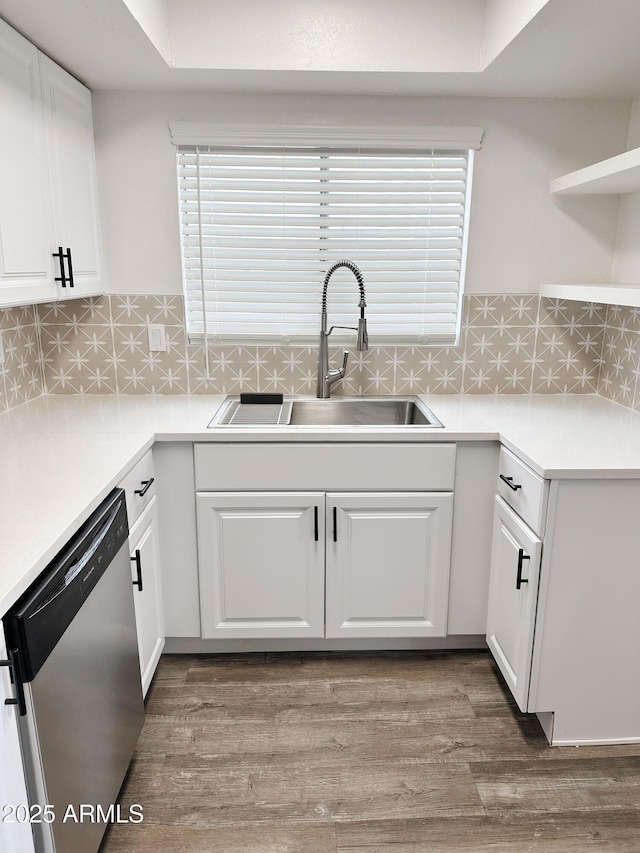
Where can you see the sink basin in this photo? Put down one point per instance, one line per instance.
(393, 411)
(345, 411)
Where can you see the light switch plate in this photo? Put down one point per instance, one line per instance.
(157, 338)
(1, 350)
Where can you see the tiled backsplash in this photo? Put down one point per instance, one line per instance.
(510, 344)
(21, 372)
(618, 379)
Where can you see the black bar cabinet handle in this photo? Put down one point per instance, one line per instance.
(146, 485)
(136, 559)
(521, 558)
(316, 532)
(16, 676)
(510, 483)
(68, 256)
(335, 524)
(62, 278)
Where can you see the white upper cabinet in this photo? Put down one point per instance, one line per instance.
(72, 167)
(48, 179)
(26, 221)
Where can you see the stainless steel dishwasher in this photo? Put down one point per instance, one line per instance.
(74, 650)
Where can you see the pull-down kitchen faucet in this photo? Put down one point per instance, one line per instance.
(327, 377)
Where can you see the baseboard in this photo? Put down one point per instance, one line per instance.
(195, 645)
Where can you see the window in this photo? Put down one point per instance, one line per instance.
(261, 225)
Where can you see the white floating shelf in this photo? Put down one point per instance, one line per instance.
(620, 174)
(606, 294)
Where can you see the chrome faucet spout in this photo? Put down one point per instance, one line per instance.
(327, 377)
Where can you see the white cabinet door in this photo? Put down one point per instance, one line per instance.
(261, 563)
(147, 593)
(513, 595)
(14, 835)
(71, 158)
(388, 558)
(26, 263)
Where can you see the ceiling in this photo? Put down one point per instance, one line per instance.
(504, 48)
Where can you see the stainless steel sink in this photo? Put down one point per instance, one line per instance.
(392, 411)
(346, 411)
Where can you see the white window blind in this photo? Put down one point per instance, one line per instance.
(260, 226)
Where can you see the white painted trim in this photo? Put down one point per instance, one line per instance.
(371, 136)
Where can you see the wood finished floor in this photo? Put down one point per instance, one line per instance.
(416, 752)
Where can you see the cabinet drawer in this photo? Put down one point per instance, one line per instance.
(138, 480)
(523, 490)
(320, 466)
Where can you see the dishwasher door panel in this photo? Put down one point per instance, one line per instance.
(85, 711)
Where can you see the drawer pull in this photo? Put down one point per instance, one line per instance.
(509, 481)
(335, 524)
(521, 558)
(315, 524)
(146, 485)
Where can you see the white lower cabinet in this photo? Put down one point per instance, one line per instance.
(388, 564)
(261, 561)
(147, 593)
(513, 595)
(15, 832)
(262, 564)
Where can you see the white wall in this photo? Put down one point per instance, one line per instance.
(626, 268)
(519, 235)
(504, 19)
(327, 35)
(153, 17)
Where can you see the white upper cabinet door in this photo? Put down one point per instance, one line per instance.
(26, 263)
(261, 559)
(388, 558)
(513, 595)
(72, 166)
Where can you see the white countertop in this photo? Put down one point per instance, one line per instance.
(61, 455)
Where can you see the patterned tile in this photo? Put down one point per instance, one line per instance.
(18, 317)
(511, 343)
(231, 369)
(21, 377)
(570, 314)
(143, 309)
(139, 371)
(290, 370)
(499, 360)
(568, 353)
(443, 369)
(369, 372)
(76, 312)
(620, 364)
(78, 357)
(502, 310)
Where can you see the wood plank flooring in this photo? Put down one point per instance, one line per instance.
(410, 752)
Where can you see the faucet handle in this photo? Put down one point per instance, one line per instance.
(345, 359)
